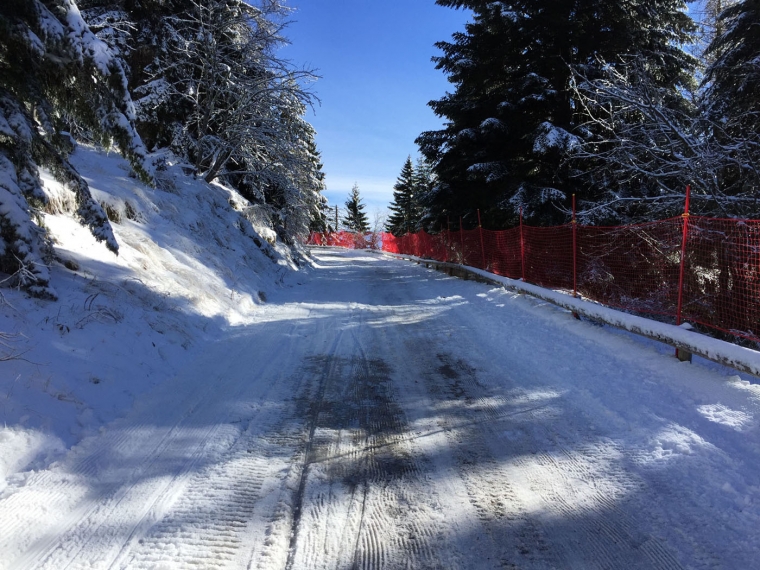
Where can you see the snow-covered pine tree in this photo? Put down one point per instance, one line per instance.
(289, 170)
(307, 201)
(424, 184)
(146, 35)
(711, 25)
(226, 70)
(404, 217)
(649, 140)
(732, 96)
(320, 221)
(643, 145)
(55, 74)
(512, 116)
(320, 213)
(356, 219)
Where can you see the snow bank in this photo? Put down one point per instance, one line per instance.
(191, 269)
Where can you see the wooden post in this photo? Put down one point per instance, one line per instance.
(522, 245)
(482, 246)
(336, 218)
(682, 354)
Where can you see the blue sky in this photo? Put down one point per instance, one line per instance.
(373, 57)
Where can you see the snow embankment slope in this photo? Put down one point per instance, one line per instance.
(194, 261)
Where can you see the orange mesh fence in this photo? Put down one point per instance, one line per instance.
(722, 279)
(549, 256)
(348, 240)
(391, 243)
(634, 267)
(470, 248)
(503, 252)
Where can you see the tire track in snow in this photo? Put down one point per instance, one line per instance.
(361, 474)
(64, 490)
(244, 495)
(98, 529)
(206, 526)
(518, 505)
(324, 379)
(471, 418)
(388, 429)
(608, 533)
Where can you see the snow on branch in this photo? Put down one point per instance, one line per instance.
(644, 143)
(70, 78)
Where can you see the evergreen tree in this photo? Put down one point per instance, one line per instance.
(732, 95)
(404, 216)
(424, 177)
(312, 204)
(512, 117)
(320, 220)
(292, 179)
(424, 185)
(210, 85)
(56, 76)
(356, 219)
(711, 25)
(148, 35)
(644, 145)
(320, 216)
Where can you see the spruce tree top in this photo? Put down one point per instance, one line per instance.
(403, 218)
(356, 219)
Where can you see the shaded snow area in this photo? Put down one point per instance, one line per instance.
(191, 267)
(371, 414)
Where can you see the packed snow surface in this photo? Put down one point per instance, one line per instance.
(370, 414)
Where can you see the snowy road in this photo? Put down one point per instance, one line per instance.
(387, 416)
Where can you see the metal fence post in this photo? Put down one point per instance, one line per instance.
(461, 239)
(522, 245)
(684, 240)
(482, 246)
(575, 252)
(683, 355)
(575, 257)
(448, 239)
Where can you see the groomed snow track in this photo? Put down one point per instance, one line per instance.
(386, 416)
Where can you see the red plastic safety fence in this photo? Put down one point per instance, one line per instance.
(634, 267)
(348, 240)
(722, 282)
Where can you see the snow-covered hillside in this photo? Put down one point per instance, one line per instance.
(194, 260)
